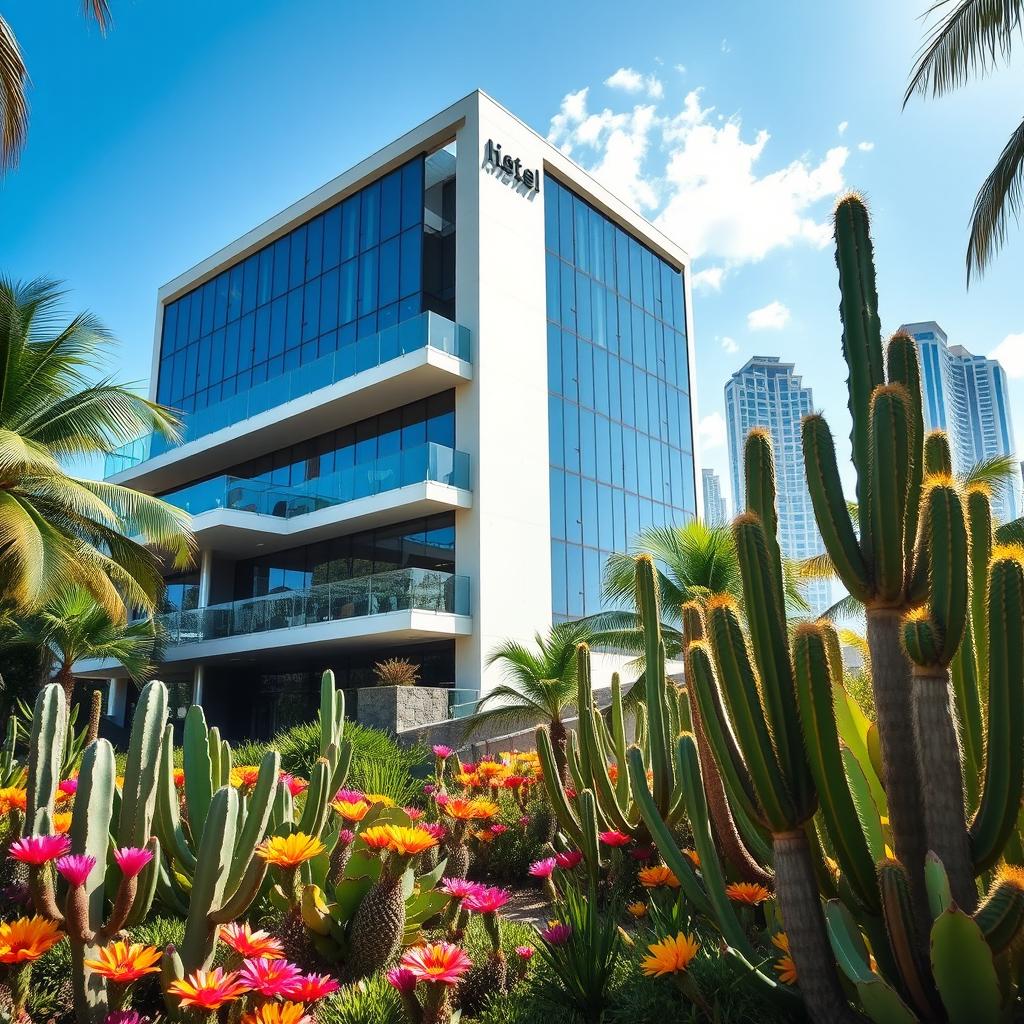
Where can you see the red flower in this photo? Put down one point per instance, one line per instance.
(614, 838)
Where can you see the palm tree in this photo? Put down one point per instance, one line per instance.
(541, 684)
(14, 78)
(73, 627)
(58, 531)
(971, 37)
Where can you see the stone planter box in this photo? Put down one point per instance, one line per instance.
(398, 709)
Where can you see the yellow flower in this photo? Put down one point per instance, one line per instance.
(638, 909)
(380, 798)
(244, 776)
(277, 1013)
(290, 851)
(123, 962)
(407, 841)
(784, 966)
(670, 956)
(27, 939)
(351, 810)
(747, 892)
(207, 990)
(658, 875)
(62, 822)
(13, 798)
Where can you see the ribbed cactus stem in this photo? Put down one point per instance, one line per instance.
(43, 895)
(800, 906)
(1001, 916)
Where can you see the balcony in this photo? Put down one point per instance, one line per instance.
(400, 364)
(234, 515)
(392, 607)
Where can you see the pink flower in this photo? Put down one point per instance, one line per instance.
(499, 829)
(614, 838)
(123, 1017)
(441, 963)
(311, 987)
(296, 786)
(271, 978)
(441, 751)
(557, 934)
(525, 952)
(428, 788)
(543, 868)
(348, 796)
(75, 867)
(461, 888)
(402, 979)
(524, 821)
(441, 799)
(414, 813)
(132, 859)
(346, 837)
(69, 787)
(38, 850)
(487, 900)
(568, 860)
(642, 853)
(436, 830)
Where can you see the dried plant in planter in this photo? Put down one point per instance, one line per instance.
(396, 672)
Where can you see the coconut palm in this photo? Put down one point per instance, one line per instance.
(59, 531)
(14, 78)
(971, 37)
(541, 684)
(73, 627)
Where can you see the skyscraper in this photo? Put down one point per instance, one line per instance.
(967, 396)
(768, 393)
(715, 510)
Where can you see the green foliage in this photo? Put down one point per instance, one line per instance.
(371, 1001)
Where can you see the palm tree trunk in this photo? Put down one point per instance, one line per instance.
(939, 757)
(67, 681)
(556, 729)
(800, 906)
(891, 683)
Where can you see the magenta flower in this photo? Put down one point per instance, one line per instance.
(311, 987)
(441, 799)
(414, 813)
(524, 821)
(461, 888)
(568, 860)
(557, 934)
(543, 868)
(402, 979)
(642, 853)
(123, 1017)
(525, 952)
(614, 838)
(132, 859)
(69, 787)
(436, 830)
(428, 788)
(271, 978)
(499, 829)
(75, 867)
(348, 796)
(37, 850)
(441, 751)
(346, 837)
(487, 900)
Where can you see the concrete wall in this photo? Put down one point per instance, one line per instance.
(399, 709)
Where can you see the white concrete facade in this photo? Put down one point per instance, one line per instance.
(503, 521)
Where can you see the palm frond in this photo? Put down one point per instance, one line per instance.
(1011, 533)
(817, 567)
(844, 609)
(1000, 196)
(13, 103)
(969, 37)
(98, 11)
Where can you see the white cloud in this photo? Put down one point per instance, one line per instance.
(709, 280)
(1010, 352)
(681, 68)
(725, 47)
(729, 345)
(708, 185)
(865, 147)
(772, 317)
(712, 431)
(843, 125)
(633, 82)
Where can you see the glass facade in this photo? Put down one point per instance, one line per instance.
(427, 543)
(344, 275)
(621, 445)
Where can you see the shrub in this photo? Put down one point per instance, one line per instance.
(372, 1001)
(396, 672)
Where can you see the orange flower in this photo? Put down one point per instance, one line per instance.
(13, 798)
(613, 772)
(485, 835)
(247, 943)
(380, 798)
(351, 810)
(467, 778)
(670, 956)
(658, 875)
(207, 990)
(469, 810)
(784, 966)
(290, 851)
(399, 839)
(693, 857)
(637, 910)
(27, 939)
(376, 838)
(747, 892)
(123, 962)
(62, 822)
(245, 776)
(277, 1013)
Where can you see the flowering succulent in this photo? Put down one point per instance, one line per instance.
(350, 796)
(125, 962)
(487, 900)
(351, 810)
(248, 943)
(637, 909)
(525, 952)
(670, 956)
(294, 784)
(498, 829)
(749, 893)
(277, 1013)
(74, 868)
(557, 934)
(441, 751)
(436, 830)
(124, 1017)
(568, 859)
(656, 876)
(27, 939)
(543, 868)
(614, 838)
(290, 851)
(37, 850)
(13, 798)
(270, 978)
(311, 987)
(132, 859)
(440, 963)
(207, 990)
(460, 888)
(62, 823)
(402, 979)
(784, 966)
(67, 787)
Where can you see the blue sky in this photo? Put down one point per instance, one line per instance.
(192, 122)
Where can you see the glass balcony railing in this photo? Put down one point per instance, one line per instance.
(401, 590)
(428, 330)
(427, 462)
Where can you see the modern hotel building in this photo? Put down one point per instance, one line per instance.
(421, 406)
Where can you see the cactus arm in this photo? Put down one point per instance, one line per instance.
(619, 741)
(46, 750)
(314, 810)
(904, 368)
(830, 509)
(964, 970)
(257, 819)
(938, 459)
(341, 766)
(1000, 802)
(241, 899)
(979, 524)
(814, 691)
(678, 864)
(198, 768)
(145, 892)
(890, 472)
(170, 893)
(589, 844)
(948, 589)
(759, 473)
(328, 711)
(553, 786)
(864, 804)
(862, 341)
(963, 673)
(212, 864)
(168, 819)
(138, 797)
